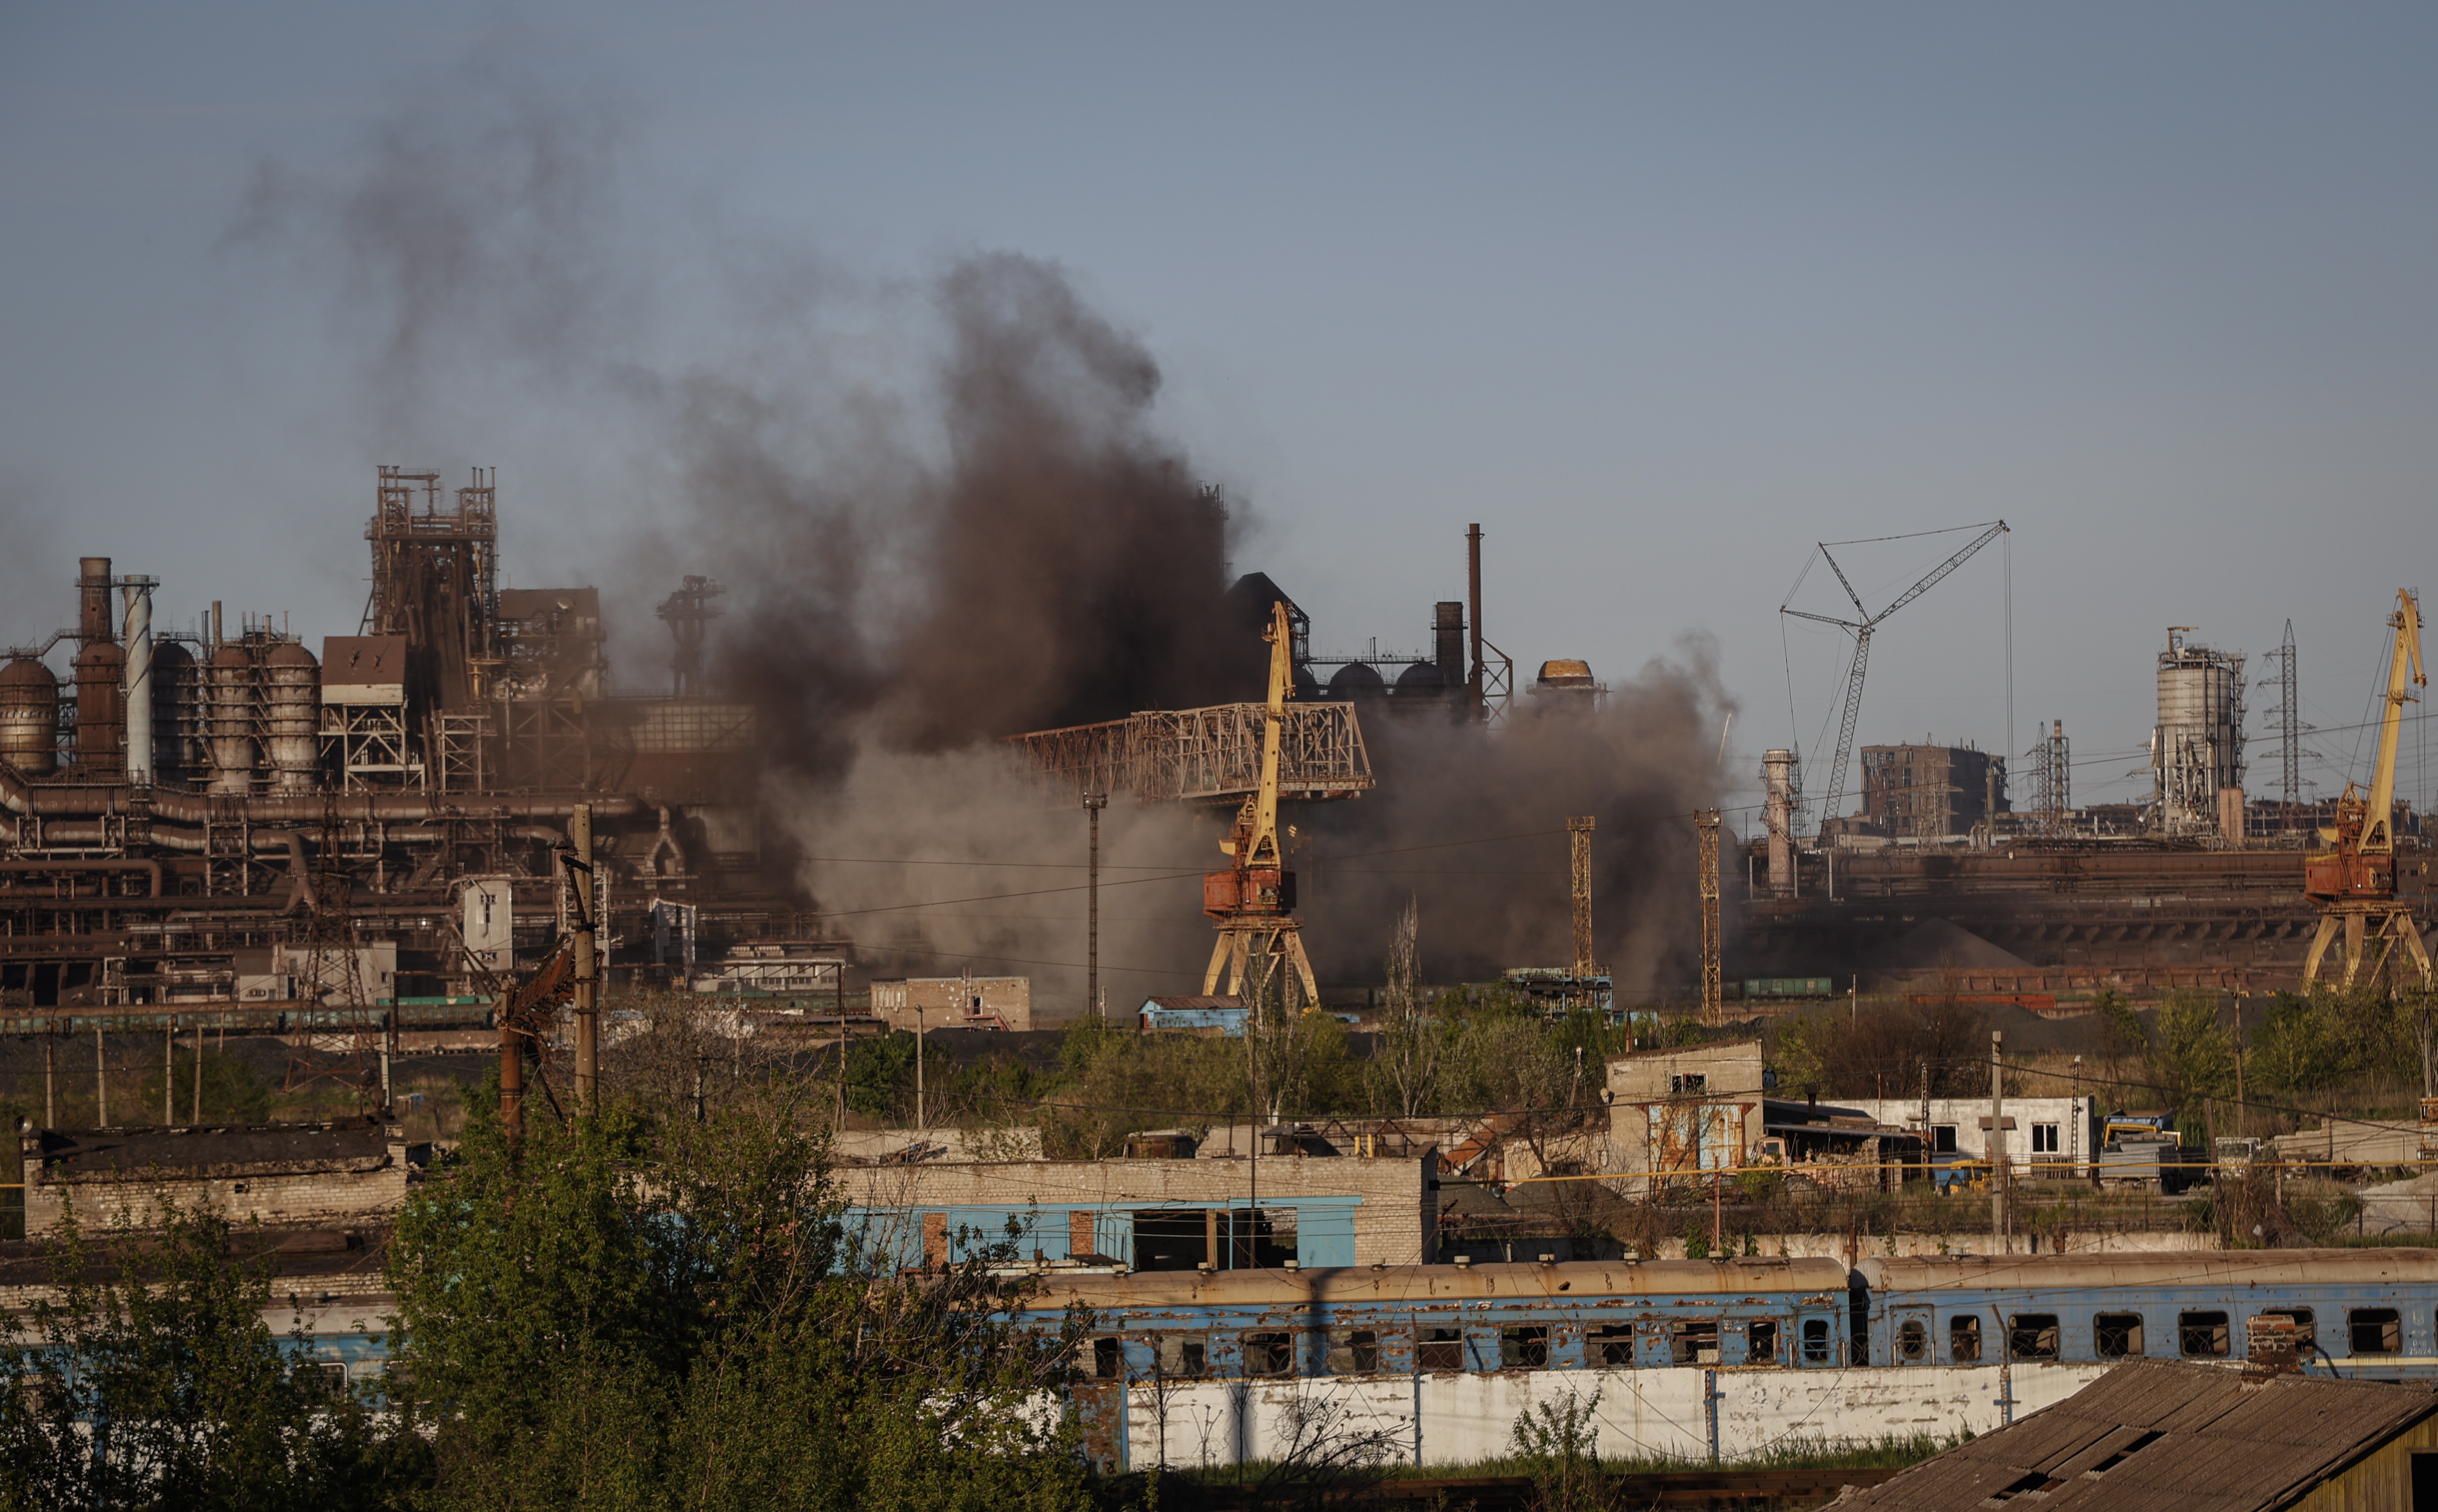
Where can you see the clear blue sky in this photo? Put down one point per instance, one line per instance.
(1659, 294)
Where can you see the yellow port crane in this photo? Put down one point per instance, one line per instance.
(2355, 882)
(1253, 901)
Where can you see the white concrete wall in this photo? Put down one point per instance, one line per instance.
(1463, 1420)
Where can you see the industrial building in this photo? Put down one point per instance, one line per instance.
(190, 802)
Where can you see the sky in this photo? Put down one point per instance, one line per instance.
(1660, 296)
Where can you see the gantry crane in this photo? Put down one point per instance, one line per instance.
(1253, 901)
(2355, 883)
(1861, 631)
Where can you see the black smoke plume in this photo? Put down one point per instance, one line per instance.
(945, 513)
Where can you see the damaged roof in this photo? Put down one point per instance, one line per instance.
(2160, 1434)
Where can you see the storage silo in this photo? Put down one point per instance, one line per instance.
(29, 717)
(228, 697)
(2197, 747)
(290, 680)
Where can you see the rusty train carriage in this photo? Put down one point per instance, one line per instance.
(1400, 1320)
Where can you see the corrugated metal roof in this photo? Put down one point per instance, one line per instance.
(2164, 1436)
(1931, 1273)
(1578, 1280)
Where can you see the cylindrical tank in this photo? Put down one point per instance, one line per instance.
(291, 682)
(1777, 783)
(175, 736)
(1357, 680)
(228, 692)
(101, 712)
(29, 717)
(136, 708)
(2197, 747)
(1421, 680)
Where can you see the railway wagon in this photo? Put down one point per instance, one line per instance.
(1408, 1319)
(2372, 1313)
(1436, 1362)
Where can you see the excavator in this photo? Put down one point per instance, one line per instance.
(1253, 901)
(2353, 883)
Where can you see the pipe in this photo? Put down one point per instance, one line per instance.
(20, 796)
(151, 868)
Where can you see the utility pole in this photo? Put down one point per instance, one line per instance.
(50, 1074)
(1997, 1141)
(100, 1081)
(1713, 1006)
(168, 1071)
(1093, 803)
(588, 985)
(918, 1066)
(198, 1069)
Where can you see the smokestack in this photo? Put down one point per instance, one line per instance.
(93, 620)
(1448, 629)
(1777, 774)
(1476, 708)
(138, 701)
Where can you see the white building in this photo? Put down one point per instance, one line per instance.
(2048, 1136)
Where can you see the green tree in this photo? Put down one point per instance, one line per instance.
(144, 1377)
(623, 1316)
(2192, 1049)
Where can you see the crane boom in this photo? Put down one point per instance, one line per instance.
(2403, 674)
(1861, 631)
(2354, 882)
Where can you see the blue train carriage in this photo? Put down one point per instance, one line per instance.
(2369, 1313)
(1371, 1327)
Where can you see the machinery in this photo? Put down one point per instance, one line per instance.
(1861, 630)
(2355, 883)
(1253, 901)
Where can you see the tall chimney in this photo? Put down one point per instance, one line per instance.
(1777, 774)
(139, 703)
(1475, 708)
(93, 619)
(1447, 625)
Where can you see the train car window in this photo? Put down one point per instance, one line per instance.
(2375, 1330)
(1611, 1343)
(1525, 1348)
(1353, 1352)
(2032, 1336)
(1815, 1341)
(1964, 1340)
(1913, 1342)
(1184, 1356)
(1268, 1354)
(1693, 1342)
(1760, 1342)
(1109, 1359)
(1440, 1349)
(2305, 1338)
(2116, 1335)
(2202, 1335)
